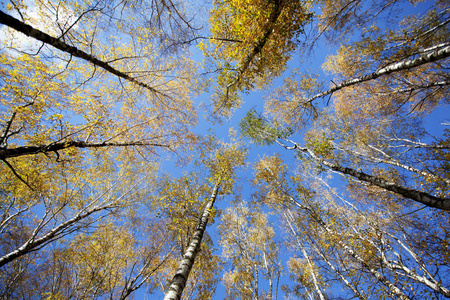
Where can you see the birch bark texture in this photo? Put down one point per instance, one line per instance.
(178, 282)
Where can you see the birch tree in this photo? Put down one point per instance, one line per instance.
(251, 43)
(384, 71)
(253, 126)
(70, 124)
(221, 164)
(248, 243)
(327, 224)
(49, 236)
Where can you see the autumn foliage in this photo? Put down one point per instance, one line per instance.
(333, 184)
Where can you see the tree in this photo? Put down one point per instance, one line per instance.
(248, 242)
(94, 95)
(63, 218)
(385, 73)
(78, 143)
(256, 128)
(251, 44)
(340, 235)
(45, 38)
(71, 104)
(221, 165)
(112, 110)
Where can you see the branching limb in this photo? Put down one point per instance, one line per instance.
(16, 174)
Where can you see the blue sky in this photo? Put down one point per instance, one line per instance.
(255, 99)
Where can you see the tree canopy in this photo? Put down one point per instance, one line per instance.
(233, 149)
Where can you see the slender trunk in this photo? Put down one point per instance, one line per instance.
(269, 277)
(392, 68)
(54, 147)
(34, 243)
(380, 277)
(341, 276)
(428, 279)
(400, 268)
(393, 162)
(256, 286)
(57, 43)
(421, 197)
(181, 275)
(305, 254)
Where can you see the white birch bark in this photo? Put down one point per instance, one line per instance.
(392, 68)
(418, 196)
(178, 282)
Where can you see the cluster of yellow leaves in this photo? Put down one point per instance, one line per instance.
(95, 264)
(406, 91)
(249, 48)
(287, 104)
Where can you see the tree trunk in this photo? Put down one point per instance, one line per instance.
(421, 197)
(179, 280)
(57, 43)
(396, 67)
(54, 147)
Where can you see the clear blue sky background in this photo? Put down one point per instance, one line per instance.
(433, 124)
(254, 99)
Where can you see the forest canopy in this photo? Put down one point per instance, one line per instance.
(233, 149)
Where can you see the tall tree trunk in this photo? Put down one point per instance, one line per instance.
(396, 67)
(289, 219)
(54, 147)
(421, 197)
(57, 43)
(179, 280)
